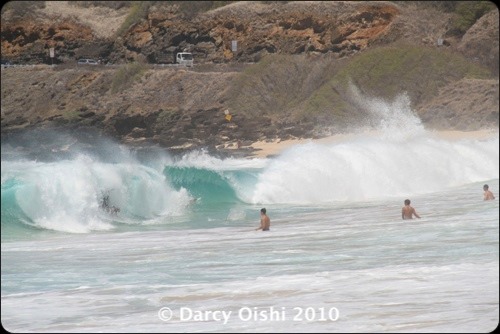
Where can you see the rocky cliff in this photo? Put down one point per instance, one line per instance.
(342, 28)
(288, 76)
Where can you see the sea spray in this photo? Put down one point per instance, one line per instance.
(393, 120)
(398, 158)
(63, 190)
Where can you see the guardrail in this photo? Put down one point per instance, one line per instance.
(68, 65)
(170, 65)
(18, 65)
(85, 65)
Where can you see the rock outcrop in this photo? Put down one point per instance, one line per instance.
(184, 108)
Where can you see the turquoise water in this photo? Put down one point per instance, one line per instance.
(338, 257)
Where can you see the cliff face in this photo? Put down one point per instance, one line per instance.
(293, 28)
(26, 41)
(184, 107)
(289, 28)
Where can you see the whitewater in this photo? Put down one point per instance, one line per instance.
(182, 253)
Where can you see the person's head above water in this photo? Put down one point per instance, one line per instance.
(263, 211)
(407, 202)
(485, 187)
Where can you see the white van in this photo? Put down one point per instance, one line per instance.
(184, 58)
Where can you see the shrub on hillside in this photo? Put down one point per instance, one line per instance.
(21, 9)
(318, 89)
(108, 4)
(190, 9)
(467, 13)
(138, 11)
(126, 75)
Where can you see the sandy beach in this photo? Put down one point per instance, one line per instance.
(263, 149)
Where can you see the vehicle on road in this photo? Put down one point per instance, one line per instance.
(184, 58)
(180, 59)
(87, 61)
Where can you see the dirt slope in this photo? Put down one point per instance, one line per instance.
(290, 58)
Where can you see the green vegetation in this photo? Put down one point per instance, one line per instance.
(138, 11)
(388, 71)
(195, 7)
(187, 7)
(191, 8)
(22, 9)
(467, 13)
(318, 87)
(108, 4)
(71, 115)
(126, 75)
(168, 115)
(278, 83)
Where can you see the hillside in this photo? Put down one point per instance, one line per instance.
(290, 77)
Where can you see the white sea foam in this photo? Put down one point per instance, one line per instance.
(399, 159)
(369, 168)
(336, 240)
(66, 195)
(439, 273)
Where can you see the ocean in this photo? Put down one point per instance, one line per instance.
(182, 253)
